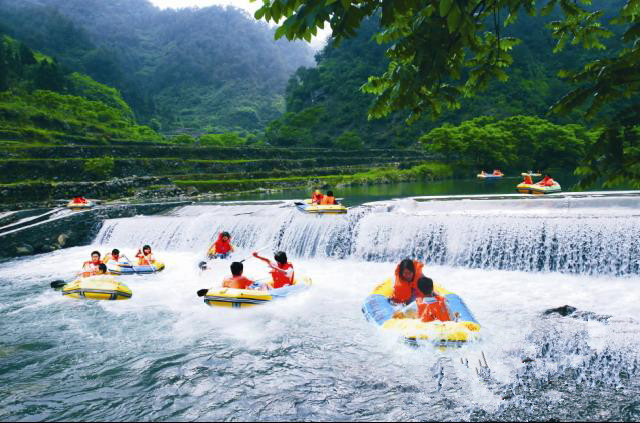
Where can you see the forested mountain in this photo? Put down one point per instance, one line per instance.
(40, 101)
(210, 69)
(325, 104)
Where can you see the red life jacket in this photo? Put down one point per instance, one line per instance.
(222, 247)
(403, 292)
(89, 268)
(239, 282)
(316, 198)
(528, 180)
(281, 279)
(430, 310)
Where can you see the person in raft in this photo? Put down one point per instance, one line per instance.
(222, 247)
(113, 256)
(79, 200)
(527, 180)
(145, 258)
(102, 269)
(496, 172)
(281, 273)
(547, 181)
(328, 199)
(432, 306)
(91, 267)
(237, 280)
(405, 287)
(316, 198)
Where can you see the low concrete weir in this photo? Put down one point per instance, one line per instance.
(585, 234)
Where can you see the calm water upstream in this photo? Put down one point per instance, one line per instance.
(164, 355)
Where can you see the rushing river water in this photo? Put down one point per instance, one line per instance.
(164, 355)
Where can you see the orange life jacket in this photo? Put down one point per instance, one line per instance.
(403, 291)
(222, 247)
(547, 182)
(430, 310)
(281, 279)
(239, 282)
(316, 198)
(326, 200)
(145, 260)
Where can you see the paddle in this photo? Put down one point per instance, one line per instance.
(203, 266)
(58, 284)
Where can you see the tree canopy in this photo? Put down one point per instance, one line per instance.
(440, 51)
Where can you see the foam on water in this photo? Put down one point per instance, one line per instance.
(561, 235)
(165, 355)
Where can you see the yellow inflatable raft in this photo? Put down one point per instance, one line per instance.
(538, 189)
(378, 309)
(103, 287)
(241, 298)
(307, 207)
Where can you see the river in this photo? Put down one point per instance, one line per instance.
(164, 355)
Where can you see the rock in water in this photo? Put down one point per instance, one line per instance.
(565, 310)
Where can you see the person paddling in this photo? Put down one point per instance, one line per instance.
(282, 272)
(91, 267)
(547, 181)
(113, 256)
(145, 257)
(222, 247)
(237, 280)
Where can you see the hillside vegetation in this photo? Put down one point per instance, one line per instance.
(198, 71)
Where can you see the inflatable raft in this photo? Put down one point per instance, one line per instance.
(129, 269)
(531, 174)
(378, 309)
(489, 176)
(241, 298)
(80, 205)
(101, 287)
(307, 207)
(538, 189)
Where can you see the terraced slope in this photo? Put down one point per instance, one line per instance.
(46, 172)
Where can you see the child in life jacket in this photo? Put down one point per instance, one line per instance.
(328, 199)
(222, 247)
(281, 273)
(237, 280)
(90, 268)
(145, 258)
(432, 306)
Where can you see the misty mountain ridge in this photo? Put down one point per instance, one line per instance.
(204, 69)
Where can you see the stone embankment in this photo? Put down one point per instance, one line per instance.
(65, 229)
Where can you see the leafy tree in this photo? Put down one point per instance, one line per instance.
(183, 139)
(515, 143)
(229, 139)
(473, 51)
(349, 140)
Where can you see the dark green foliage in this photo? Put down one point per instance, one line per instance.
(349, 140)
(100, 167)
(183, 139)
(212, 68)
(45, 104)
(518, 143)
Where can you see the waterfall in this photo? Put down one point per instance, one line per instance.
(568, 235)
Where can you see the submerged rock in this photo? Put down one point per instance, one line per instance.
(569, 311)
